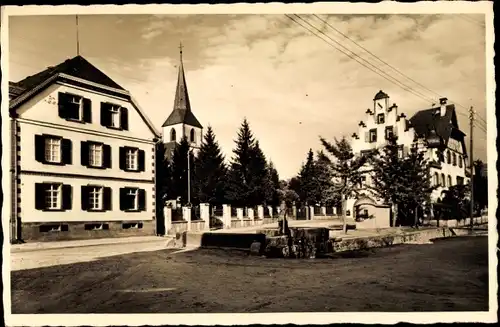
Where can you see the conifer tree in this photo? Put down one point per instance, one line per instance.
(210, 171)
(273, 186)
(258, 178)
(309, 187)
(239, 179)
(326, 194)
(345, 170)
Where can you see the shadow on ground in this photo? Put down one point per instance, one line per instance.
(450, 275)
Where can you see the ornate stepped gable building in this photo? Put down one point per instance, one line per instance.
(82, 156)
(181, 122)
(434, 130)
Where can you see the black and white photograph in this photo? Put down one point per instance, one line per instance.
(250, 163)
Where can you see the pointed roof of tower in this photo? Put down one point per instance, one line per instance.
(182, 106)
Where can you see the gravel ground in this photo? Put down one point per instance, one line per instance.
(449, 275)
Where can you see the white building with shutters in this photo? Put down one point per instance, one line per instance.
(83, 156)
(435, 129)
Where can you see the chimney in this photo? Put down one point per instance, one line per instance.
(442, 109)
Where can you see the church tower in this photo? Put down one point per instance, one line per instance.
(181, 122)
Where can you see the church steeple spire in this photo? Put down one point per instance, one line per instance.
(181, 93)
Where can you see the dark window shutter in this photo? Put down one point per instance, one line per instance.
(141, 160)
(87, 110)
(142, 200)
(85, 198)
(40, 148)
(105, 114)
(122, 158)
(67, 197)
(124, 118)
(40, 196)
(123, 199)
(84, 153)
(107, 199)
(63, 104)
(106, 153)
(67, 151)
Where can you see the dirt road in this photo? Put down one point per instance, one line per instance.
(448, 275)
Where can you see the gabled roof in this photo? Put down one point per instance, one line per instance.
(76, 67)
(427, 120)
(75, 70)
(182, 113)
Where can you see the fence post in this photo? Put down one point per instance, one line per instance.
(323, 210)
(294, 211)
(226, 215)
(334, 211)
(205, 214)
(251, 215)
(239, 213)
(270, 208)
(186, 215)
(167, 213)
(311, 212)
(260, 211)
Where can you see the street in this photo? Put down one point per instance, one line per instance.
(449, 275)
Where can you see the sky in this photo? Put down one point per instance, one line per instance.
(292, 86)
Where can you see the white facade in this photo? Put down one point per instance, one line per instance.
(384, 119)
(77, 170)
(175, 133)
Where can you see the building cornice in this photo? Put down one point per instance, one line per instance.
(87, 176)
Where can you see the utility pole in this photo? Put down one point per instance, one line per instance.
(471, 165)
(189, 178)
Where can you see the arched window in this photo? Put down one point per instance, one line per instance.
(443, 181)
(436, 179)
(460, 161)
(449, 181)
(173, 137)
(191, 135)
(454, 159)
(448, 157)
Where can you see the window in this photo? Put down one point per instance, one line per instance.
(192, 135)
(52, 150)
(96, 198)
(460, 161)
(362, 181)
(131, 157)
(449, 181)
(448, 156)
(389, 132)
(95, 155)
(380, 119)
(53, 196)
(114, 116)
(75, 108)
(436, 179)
(443, 181)
(460, 180)
(132, 199)
(173, 137)
(373, 136)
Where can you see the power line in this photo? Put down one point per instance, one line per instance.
(387, 64)
(388, 77)
(406, 87)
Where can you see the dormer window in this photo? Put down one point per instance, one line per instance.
(115, 116)
(380, 119)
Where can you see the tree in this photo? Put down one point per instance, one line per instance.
(480, 185)
(210, 171)
(345, 170)
(287, 193)
(308, 182)
(238, 187)
(163, 176)
(456, 197)
(258, 179)
(180, 171)
(273, 185)
(326, 194)
(401, 181)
